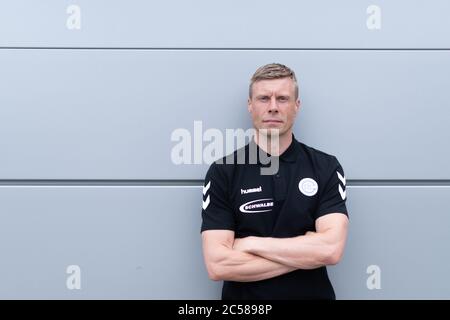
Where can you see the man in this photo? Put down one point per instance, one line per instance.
(272, 236)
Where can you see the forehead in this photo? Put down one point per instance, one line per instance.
(280, 86)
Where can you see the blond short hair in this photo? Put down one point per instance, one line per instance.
(273, 71)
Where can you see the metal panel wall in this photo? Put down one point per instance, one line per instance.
(108, 114)
(228, 24)
(129, 242)
(93, 90)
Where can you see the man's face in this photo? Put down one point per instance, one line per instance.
(273, 105)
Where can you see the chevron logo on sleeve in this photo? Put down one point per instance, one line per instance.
(342, 191)
(205, 190)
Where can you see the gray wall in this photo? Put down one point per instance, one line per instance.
(86, 117)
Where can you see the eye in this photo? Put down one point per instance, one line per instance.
(263, 98)
(283, 99)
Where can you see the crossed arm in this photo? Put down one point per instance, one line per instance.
(259, 258)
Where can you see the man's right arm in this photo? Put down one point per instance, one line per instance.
(225, 263)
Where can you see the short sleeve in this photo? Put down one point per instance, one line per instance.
(334, 194)
(217, 213)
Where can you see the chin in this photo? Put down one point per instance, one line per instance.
(271, 129)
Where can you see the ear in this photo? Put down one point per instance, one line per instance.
(249, 105)
(297, 105)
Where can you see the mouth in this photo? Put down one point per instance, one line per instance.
(272, 121)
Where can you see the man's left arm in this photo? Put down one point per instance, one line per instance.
(309, 251)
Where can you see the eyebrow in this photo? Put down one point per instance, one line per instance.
(263, 95)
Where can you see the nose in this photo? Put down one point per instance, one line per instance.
(273, 107)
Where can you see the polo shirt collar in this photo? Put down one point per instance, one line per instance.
(289, 155)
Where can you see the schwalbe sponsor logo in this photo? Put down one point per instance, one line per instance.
(257, 206)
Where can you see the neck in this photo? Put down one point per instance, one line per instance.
(273, 144)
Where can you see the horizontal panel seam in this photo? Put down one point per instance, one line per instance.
(215, 49)
(353, 183)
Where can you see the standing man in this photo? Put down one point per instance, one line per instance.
(272, 236)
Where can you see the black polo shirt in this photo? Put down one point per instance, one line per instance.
(308, 185)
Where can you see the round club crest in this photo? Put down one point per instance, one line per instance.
(308, 187)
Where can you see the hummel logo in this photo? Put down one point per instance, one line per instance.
(245, 191)
(341, 178)
(205, 189)
(206, 203)
(342, 192)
